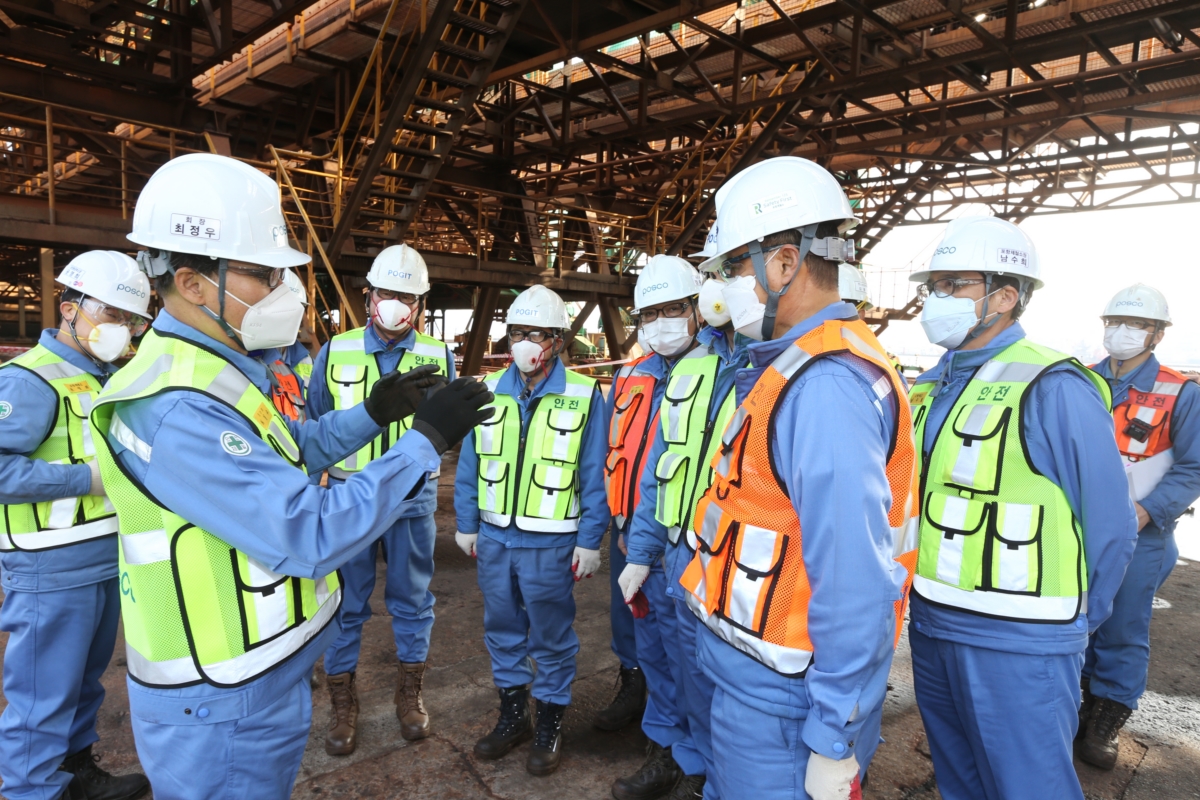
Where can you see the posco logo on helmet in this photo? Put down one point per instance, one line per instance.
(1130, 303)
(395, 273)
(524, 312)
(945, 251)
(653, 288)
(133, 290)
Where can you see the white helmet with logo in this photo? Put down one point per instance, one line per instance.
(1141, 301)
(112, 278)
(852, 284)
(294, 283)
(984, 244)
(538, 307)
(399, 268)
(665, 278)
(213, 206)
(780, 194)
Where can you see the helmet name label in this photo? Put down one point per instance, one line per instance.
(1017, 258)
(196, 227)
(774, 203)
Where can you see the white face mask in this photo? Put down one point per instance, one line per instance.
(948, 320)
(745, 310)
(393, 315)
(1122, 342)
(109, 341)
(528, 357)
(667, 337)
(273, 321)
(712, 304)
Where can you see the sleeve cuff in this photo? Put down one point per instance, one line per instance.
(360, 423)
(835, 743)
(81, 480)
(417, 446)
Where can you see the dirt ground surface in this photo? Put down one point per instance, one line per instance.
(1160, 748)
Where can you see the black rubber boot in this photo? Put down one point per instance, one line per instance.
(689, 787)
(1086, 704)
(546, 750)
(1100, 746)
(100, 785)
(513, 727)
(656, 777)
(629, 703)
(73, 791)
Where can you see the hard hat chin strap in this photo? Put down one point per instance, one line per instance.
(219, 318)
(809, 232)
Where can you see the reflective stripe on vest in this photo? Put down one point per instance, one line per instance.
(685, 416)
(195, 609)
(67, 520)
(747, 579)
(287, 393)
(542, 458)
(350, 372)
(996, 537)
(628, 438)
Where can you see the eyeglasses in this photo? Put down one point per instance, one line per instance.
(271, 277)
(404, 297)
(944, 287)
(730, 267)
(535, 336)
(673, 311)
(1133, 324)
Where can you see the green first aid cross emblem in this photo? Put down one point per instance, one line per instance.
(234, 444)
(5, 409)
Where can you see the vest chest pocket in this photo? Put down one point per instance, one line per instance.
(552, 493)
(1016, 549)
(267, 601)
(974, 463)
(1140, 429)
(758, 558)
(79, 426)
(493, 485)
(955, 557)
(671, 472)
(561, 441)
(349, 384)
(680, 397)
(625, 409)
(489, 436)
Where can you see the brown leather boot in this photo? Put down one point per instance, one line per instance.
(343, 699)
(410, 708)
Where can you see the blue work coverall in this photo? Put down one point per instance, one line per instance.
(1000, 698)
(407, 545)
(676, 680)
(61, 606)
(1118, 654)
(525, 577)
(830, 446)
(200, 741)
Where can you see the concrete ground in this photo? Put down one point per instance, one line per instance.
(1160, 749)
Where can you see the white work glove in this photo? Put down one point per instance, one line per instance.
(827, 779)
(585, 563)
(631, 579)
(97, 487)
(466, 542)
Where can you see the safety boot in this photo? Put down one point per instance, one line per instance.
(629, 703)
(1100, 746)
(689, 787)
(343, 702)
(72, 791)
(410, 707)
(514, 726)
(654, 779)
(1087, 701)
(546, 750)
(98, 784)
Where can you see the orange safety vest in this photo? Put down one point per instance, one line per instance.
(747, 580)
(633, 418)
(1143, 419)
(286, 393)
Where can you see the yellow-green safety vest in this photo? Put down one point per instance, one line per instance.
(303, 370)
(685, 416)
(997, 537)
(68, 520)
(196, 609)
(350, 372)
(532, 474)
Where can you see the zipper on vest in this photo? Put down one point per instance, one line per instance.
(533, 407)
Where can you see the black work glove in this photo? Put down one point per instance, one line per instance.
(397, 395)
(450, 414)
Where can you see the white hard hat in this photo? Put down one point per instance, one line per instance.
(1141, 301)
(296, 285)
(665, 278)
(984, 244)
(215, 206)
(538, 307)
(112, 278)
(399, 268)
(852, 284)
(778, 194)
